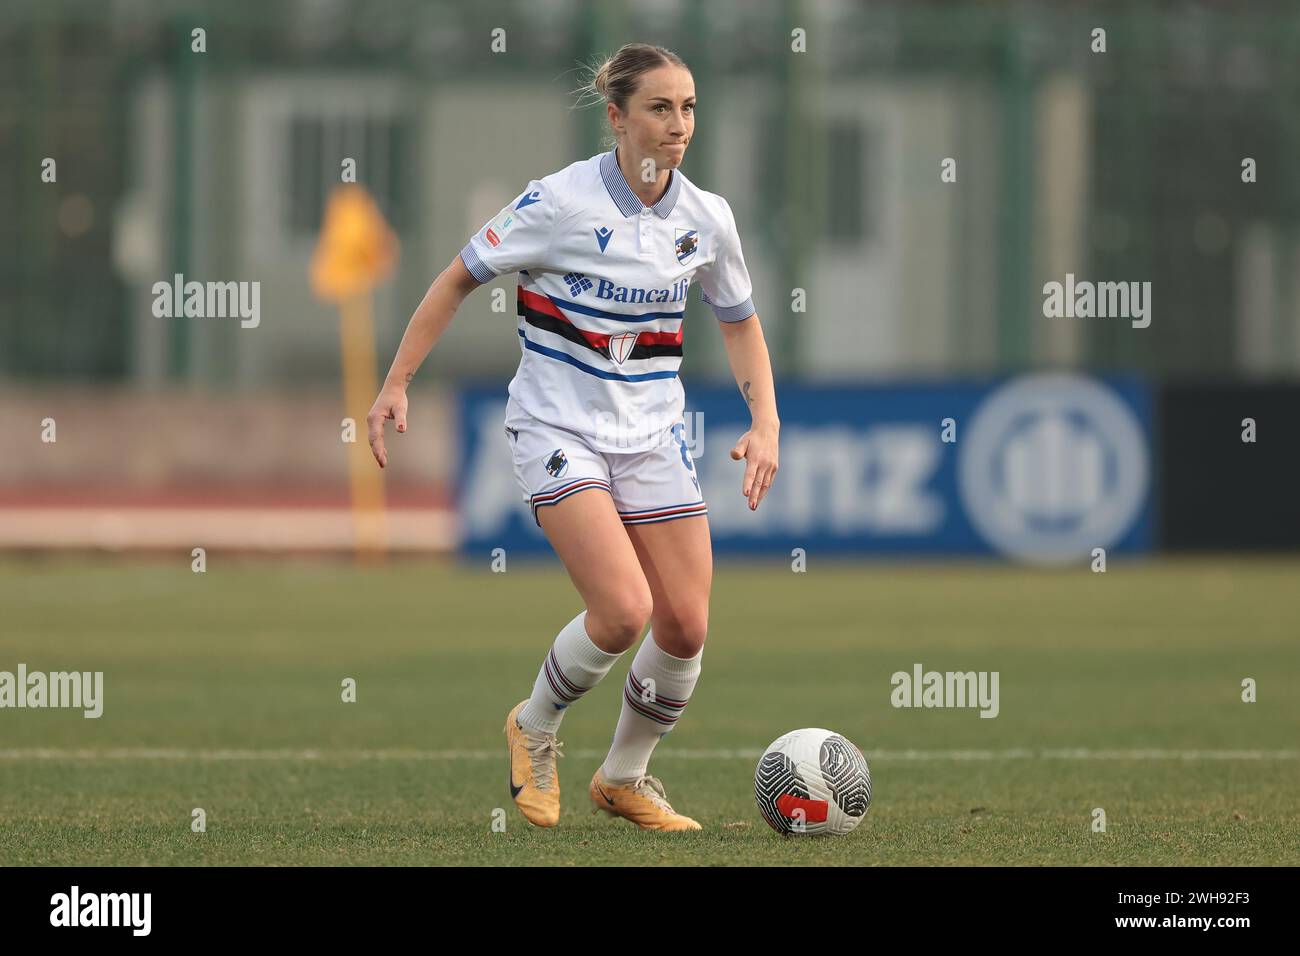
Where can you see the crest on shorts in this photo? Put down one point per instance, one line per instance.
(556, 464)
(621, 345)
(686, 243)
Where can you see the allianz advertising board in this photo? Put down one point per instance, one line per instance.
(1041, 468)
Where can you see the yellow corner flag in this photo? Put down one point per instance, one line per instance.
(356, 251)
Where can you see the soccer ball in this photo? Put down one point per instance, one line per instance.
(812, 781)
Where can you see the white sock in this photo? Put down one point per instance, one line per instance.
(650, 710)
(573, 666)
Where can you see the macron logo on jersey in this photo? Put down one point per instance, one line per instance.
(602, 236)
(527, 199)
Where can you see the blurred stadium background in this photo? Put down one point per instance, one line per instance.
(922, 296)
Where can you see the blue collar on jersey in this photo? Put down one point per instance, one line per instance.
(628, 203)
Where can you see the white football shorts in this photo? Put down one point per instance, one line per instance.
(552, 463)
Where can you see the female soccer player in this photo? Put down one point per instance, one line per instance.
(605, 250)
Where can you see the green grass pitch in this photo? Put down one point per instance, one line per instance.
(223, 692)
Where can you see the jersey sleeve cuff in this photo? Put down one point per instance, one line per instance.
(732, 313)
(476, 266)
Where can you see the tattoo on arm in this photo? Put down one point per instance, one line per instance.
(745, 389)
(410, 377)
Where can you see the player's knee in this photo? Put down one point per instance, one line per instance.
(682, 634)
(618, 622)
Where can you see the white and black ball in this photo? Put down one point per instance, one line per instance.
(811, 782)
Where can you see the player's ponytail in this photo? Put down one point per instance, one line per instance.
(600, 79)
(618, 77)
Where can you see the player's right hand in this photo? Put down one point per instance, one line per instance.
(389, 406)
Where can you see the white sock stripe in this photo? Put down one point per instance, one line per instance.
(655, 694)
(559, 686)
(647, 711)
(670, 708)
(572, 666)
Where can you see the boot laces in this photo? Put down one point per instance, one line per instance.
(542, 751)
(653, 790)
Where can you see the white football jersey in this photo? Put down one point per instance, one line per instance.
(603, 281)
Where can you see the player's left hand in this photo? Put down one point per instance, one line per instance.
(758, 447)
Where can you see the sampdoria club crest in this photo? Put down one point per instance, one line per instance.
(688, 240)
(556, 463)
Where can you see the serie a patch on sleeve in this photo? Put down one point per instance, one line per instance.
(497, 229)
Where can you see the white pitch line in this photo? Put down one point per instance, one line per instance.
(180, 754)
